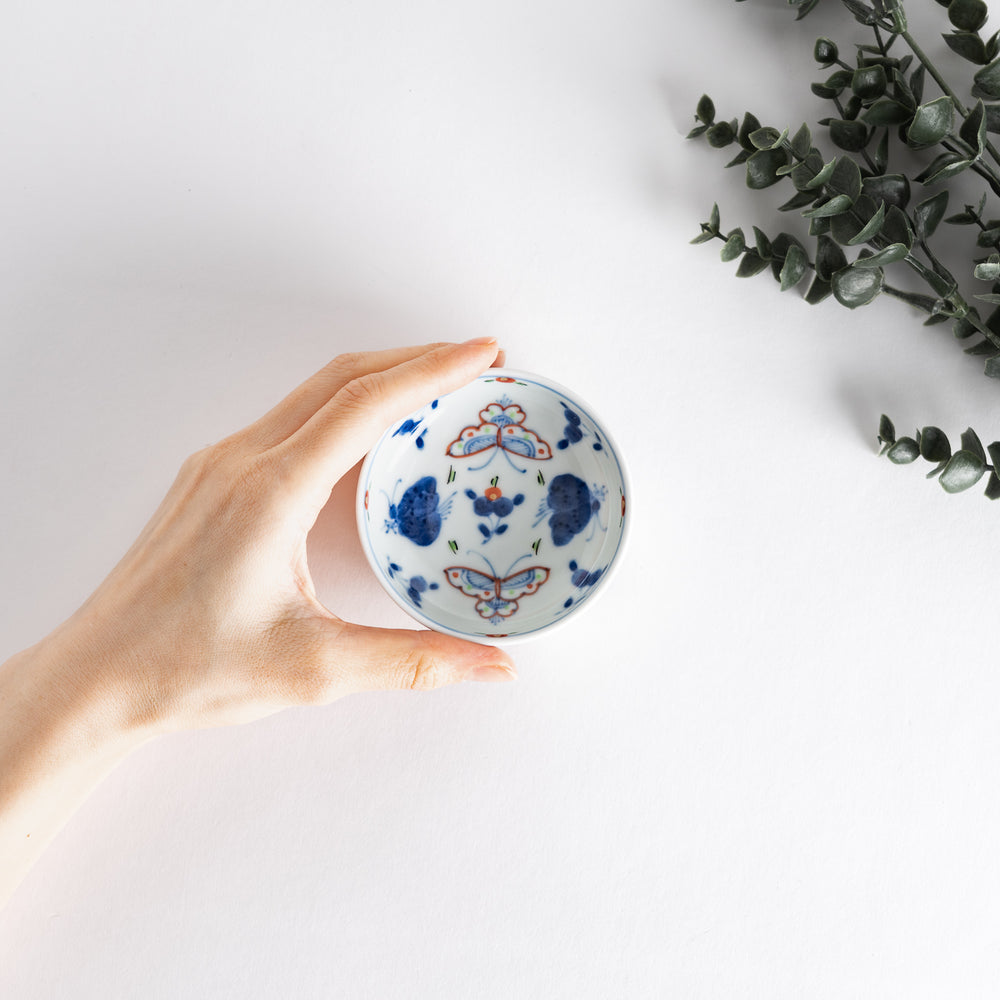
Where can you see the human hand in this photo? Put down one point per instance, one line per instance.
(212, 616)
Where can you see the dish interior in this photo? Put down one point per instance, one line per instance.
(494, 511)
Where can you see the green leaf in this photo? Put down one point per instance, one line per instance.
(963, 471)
(799, 200)
(762, 168)
(829, 258)
(795, 266)
(968, 15)
(886, 112)
(991, 298)
(931, 123)
(871, 228)
(767, 137)
(854, 287)
(705, 112)
(988, 237)
(713, 218)
(934, 445)
(917, 78)
(993, 487)
(897, 227)
(846, 178)
(888, 255)
(989, 269)
(994, 452)
(763, 243)
(751, 264)
(944, 167)
(903, 451)
(721, 134)
(869, 82)
(893, 189)
(880, 157)
(735, 245)
(861, 11)
(818, 291)
(802, 142)
(835, 206)
(988, 81)
(928, 214)
(851, 136)
(821, 176)
(973, 129)
(705, 236)
(886, 430)
(969, 46)
(749, 126)
(972, 444)
(825, 52)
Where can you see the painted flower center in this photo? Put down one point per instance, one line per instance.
(493, 493)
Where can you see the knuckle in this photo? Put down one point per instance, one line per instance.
(364, 392)
(422, 672)
(347, 366)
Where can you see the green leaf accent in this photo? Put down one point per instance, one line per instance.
(968, 15)
(818, 291)
(869, 82)
(928, 214)
(973, 129)
(829, 258)
(934, 445)
(893, 189)
(846, 178)
(825, 52)
(735, 245)
(886, 112)
(963, 471)
(749, 126)
(851, 136)
(854, 286)
(714, 218)
(767, 137)
(763, 243)
(721, 134)
(886, 430)
(897, 227)
(705, 112)
(871, 228)
(931, 123)
(802, 142)
(835, 206)
(904, 451)
(988, 81)
(989, 269)
(889, 255)
(969, 46)
(972, 444)
(751, 264)
(762, 168)
(822, 176)
(795, 266)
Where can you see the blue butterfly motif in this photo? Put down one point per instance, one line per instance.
(571, 504)
(419, 513)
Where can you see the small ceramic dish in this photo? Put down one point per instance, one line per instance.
(495, 512)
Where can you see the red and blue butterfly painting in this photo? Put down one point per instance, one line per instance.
(500, 430)
(497, 596)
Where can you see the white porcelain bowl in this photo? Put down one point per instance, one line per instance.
(496, 512)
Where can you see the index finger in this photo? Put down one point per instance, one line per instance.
(341, 432)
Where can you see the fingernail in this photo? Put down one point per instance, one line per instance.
(501, 359)
(480, 341)
(492, 673)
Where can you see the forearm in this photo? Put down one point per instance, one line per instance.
(62, 730)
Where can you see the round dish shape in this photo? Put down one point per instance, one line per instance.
(496, 512)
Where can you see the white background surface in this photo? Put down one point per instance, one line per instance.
(765, 765)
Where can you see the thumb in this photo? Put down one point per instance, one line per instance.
(375, 659)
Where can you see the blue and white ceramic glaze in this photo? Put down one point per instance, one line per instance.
(494, 512)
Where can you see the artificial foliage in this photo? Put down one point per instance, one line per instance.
(902, 134)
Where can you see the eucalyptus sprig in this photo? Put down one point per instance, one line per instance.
(956, 471)
(863, 215)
